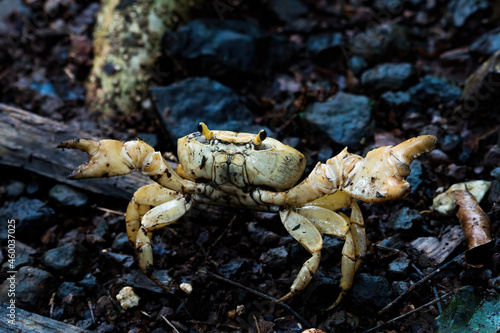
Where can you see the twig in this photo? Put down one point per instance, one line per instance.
(262, 295)
(409, 312)
(220, 236)
(91, 312)
(51, 303)
(256, 324)
(170, 324)
(107, 210)
(407, 291)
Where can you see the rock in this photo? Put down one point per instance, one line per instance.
(325, 48)
(494, 195)
(487, 44)
(68, 287)
(415, 177)
(32, 218)
(388, 77)
(393, 6)
(227, 48)
(320, 290)
(275, 259)
(357, 65)
(345, 118)
(450, 142)
(184, 104)
(481, 91)
(15, 188)
(232, 268)
(288, 10)
(384, 41)
(128, 298)
(70, 259)
(25, 256)
(101, 230)
(399, 287)
(433, 90)
(89, 283)
(261, 235)
(369, 290)
(397, 101)
(33, 288)
(398, 268)
(404, 219)
(459, 11)
(120, 243)
(33, 187)
(67, 196)
(139, 280)
(124, 260)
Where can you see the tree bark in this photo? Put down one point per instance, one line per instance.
(28, 141)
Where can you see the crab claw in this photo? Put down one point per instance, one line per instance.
(107, 158)
(381, 176)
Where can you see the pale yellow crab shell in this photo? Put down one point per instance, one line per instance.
(233, 158)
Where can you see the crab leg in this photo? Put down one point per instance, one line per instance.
(309, 237)
(110, 158)
(157, 218)
(140, 204)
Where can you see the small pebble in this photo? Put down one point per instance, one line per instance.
(68, 196)
(187, 288)
(127, 298)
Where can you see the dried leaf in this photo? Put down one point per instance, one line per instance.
(444, 203)
(475, 224)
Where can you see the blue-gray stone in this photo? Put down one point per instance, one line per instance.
(415, 177)
(388, 76)
(325, 47)
(32, 217)
(288, 10)
(434, 90)
(15, 188)
(345, 118)
(383, 42)
(228, 47)
(369, 290)
(184, 104)
(70, 259)
(68, 287)
(460, 11)
(404, 219)
(67, 196)
(487, 44)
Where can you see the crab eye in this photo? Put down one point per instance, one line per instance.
(260, 137)
(203, 129)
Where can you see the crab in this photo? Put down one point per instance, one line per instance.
(256, 172)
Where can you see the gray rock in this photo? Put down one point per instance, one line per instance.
(487, 44)
(397, 101)
(32, 217)
(320, 290)
(398, 268)
(288, 10)
(33, 287)
(345, 118)
(184, 104)
(459, 11)
(357, 65)
(25, 256)
(415, 177)
(89, 283)
(369, 290)
(67, 288)
(383, 42)
(15, 188)
(494, 195)
(232, 268)
(67, 196)
(70, 259)
(325, 48)
(226, 48)
(450, 142)
(120, 243)
(404, 219)
(433, 90)
(276, 258)
(388, 77)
